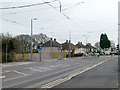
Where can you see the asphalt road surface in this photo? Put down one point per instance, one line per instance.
(62, 73)
(102, 76)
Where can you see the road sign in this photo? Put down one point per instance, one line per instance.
(23, 49)
(40, 47)
(68, 50)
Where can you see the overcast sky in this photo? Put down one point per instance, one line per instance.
(88, 19)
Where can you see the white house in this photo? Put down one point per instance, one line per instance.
(80, 48)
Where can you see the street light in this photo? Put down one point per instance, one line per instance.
(86, 38)
(32, 33)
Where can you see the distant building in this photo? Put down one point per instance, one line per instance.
(80, 48)
(90, 48)
(66, 46)
(50, 47)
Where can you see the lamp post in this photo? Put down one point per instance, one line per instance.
(32, 33)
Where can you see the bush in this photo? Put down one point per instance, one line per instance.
(8, 58)
(75, 55)
(78, 55)
(25, 52)
(34, 51)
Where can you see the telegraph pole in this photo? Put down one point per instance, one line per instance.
(6, 53)
(23, 50)
(31, 37)
(51, 48)
(70, 43)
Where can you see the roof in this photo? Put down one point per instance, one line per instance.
(67, 44)
(80, 45)
(54, 43)
(89, 46)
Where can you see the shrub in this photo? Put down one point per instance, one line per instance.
(34, 51)
(8, 58)
(78, 55)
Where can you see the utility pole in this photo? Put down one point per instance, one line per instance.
(31, 34)
(51, 48)
(86, 39)
(70, 43)
(6, 53)
(23, 50)
(31, 37)
(60, 5)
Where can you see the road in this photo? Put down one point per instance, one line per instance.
(102, 76)
(49, 73)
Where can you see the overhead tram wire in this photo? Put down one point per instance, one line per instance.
(73, 6)
(23, 25)
(25, 6)
(35, 28)
(65, 16)
(44, 8)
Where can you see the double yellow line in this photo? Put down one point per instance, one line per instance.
(61, 80)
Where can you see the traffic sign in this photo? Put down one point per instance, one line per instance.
(68, 50)
(23, 49)
(40, 47)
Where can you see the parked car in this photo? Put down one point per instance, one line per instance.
(101, 53)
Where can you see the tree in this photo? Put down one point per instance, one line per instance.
(36, 40)
(104, 41)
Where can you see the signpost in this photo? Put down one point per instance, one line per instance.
(23, 53)
(40, 51)
(69, 52)
(61, 49)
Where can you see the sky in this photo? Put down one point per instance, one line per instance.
(86, 21)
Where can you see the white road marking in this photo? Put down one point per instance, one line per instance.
(2, 77)
(16, 77)
(16, 64)
(35, 70)
(7, 71)
(45, 68)
(20, 72)
(61, 80)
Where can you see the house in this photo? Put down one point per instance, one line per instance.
(80, 48)
(90, 48)
(50, 47)
(66, 46)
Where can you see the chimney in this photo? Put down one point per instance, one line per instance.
(50, 38)
(66, 41)
(55, 39)
(69, 41)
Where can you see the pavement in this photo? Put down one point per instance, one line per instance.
(40, 74)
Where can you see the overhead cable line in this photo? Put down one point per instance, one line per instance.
(73, 6)
(30, 5)
(64, 15)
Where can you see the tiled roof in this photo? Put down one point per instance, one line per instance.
(67, 44)
(54, 43)
(80, 45)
